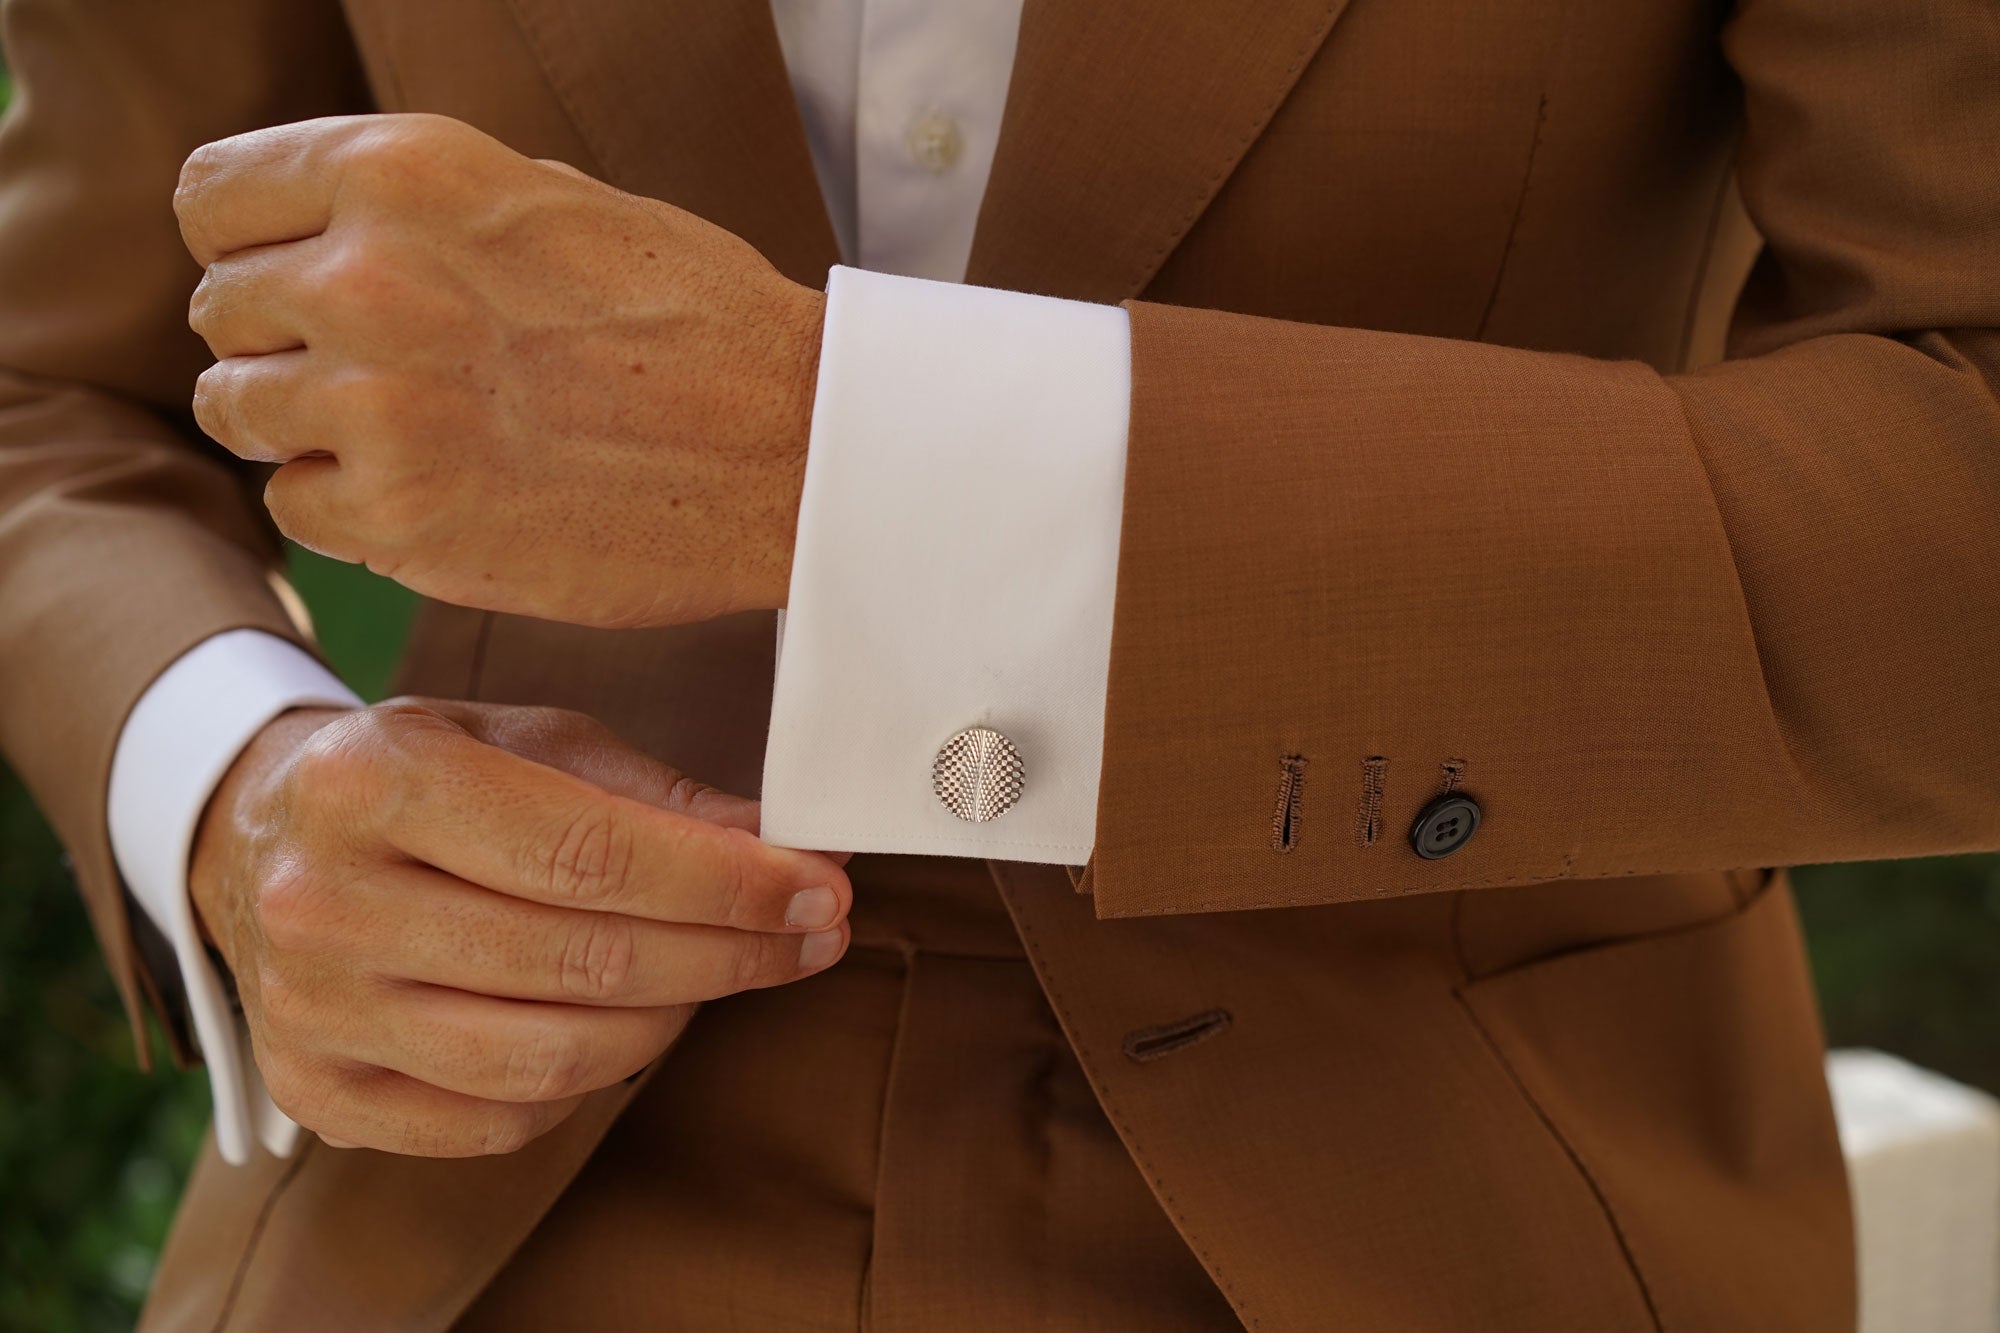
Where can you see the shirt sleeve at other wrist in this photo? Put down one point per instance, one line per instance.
(180, 739)
(956, 566)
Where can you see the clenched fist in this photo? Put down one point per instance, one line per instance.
(495, 380)
(448, 922)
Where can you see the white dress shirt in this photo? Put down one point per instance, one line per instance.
(957, 543)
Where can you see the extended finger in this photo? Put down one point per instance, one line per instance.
(522, 828)
(256, 300)
(509, 1050)
(473, 939)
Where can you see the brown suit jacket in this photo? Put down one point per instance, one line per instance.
(1423, 490)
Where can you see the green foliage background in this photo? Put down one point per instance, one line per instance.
(92, 1153)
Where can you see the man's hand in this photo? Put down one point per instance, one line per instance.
(447, 922)
(496, 380)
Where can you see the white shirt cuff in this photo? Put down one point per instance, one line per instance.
(180, 739)
(956, 566)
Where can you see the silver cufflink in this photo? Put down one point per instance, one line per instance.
(977, 775)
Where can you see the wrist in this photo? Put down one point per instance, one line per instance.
(797, 348)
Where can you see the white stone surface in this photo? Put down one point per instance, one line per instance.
(1923, 1156)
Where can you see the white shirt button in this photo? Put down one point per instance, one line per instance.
(935, 142)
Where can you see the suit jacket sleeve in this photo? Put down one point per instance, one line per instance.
(1739, 617)
(124, 538)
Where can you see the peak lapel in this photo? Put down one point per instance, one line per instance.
(688, 101)
(1123, 119)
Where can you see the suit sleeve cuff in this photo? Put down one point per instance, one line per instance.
(956, 566)
(180, 739)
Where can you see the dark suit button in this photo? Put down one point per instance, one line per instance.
(1446, 825)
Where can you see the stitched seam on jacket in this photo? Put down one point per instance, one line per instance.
(1570, 1151)
(270, 1204)
(1086, 1055)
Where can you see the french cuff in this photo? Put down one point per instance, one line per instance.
(181, 737)
(943, 660)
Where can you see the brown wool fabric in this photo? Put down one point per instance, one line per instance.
(1435, 481)
(904, 1143)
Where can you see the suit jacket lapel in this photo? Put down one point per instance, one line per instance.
(688, 101)
(1124, 117)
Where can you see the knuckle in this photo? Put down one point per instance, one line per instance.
(281, 1010)
(598, 958)
(590, 859)
(531, 727)
(206, 303)
(544, 1068)
(360, 279)
(358, 772)
(390, 154)
(294, 915)
(196, 171)
(287, 508)
(568, 723)
(213, 402)
(337, 760)
(405, 155)
(685, 792)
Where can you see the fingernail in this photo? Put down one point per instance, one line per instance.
(812, 909)
(818, 950)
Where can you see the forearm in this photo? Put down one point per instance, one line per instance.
(1735, 618)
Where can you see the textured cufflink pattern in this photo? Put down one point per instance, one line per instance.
(977, 775)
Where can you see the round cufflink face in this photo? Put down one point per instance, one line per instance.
(1445, 825)
(977, 775)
